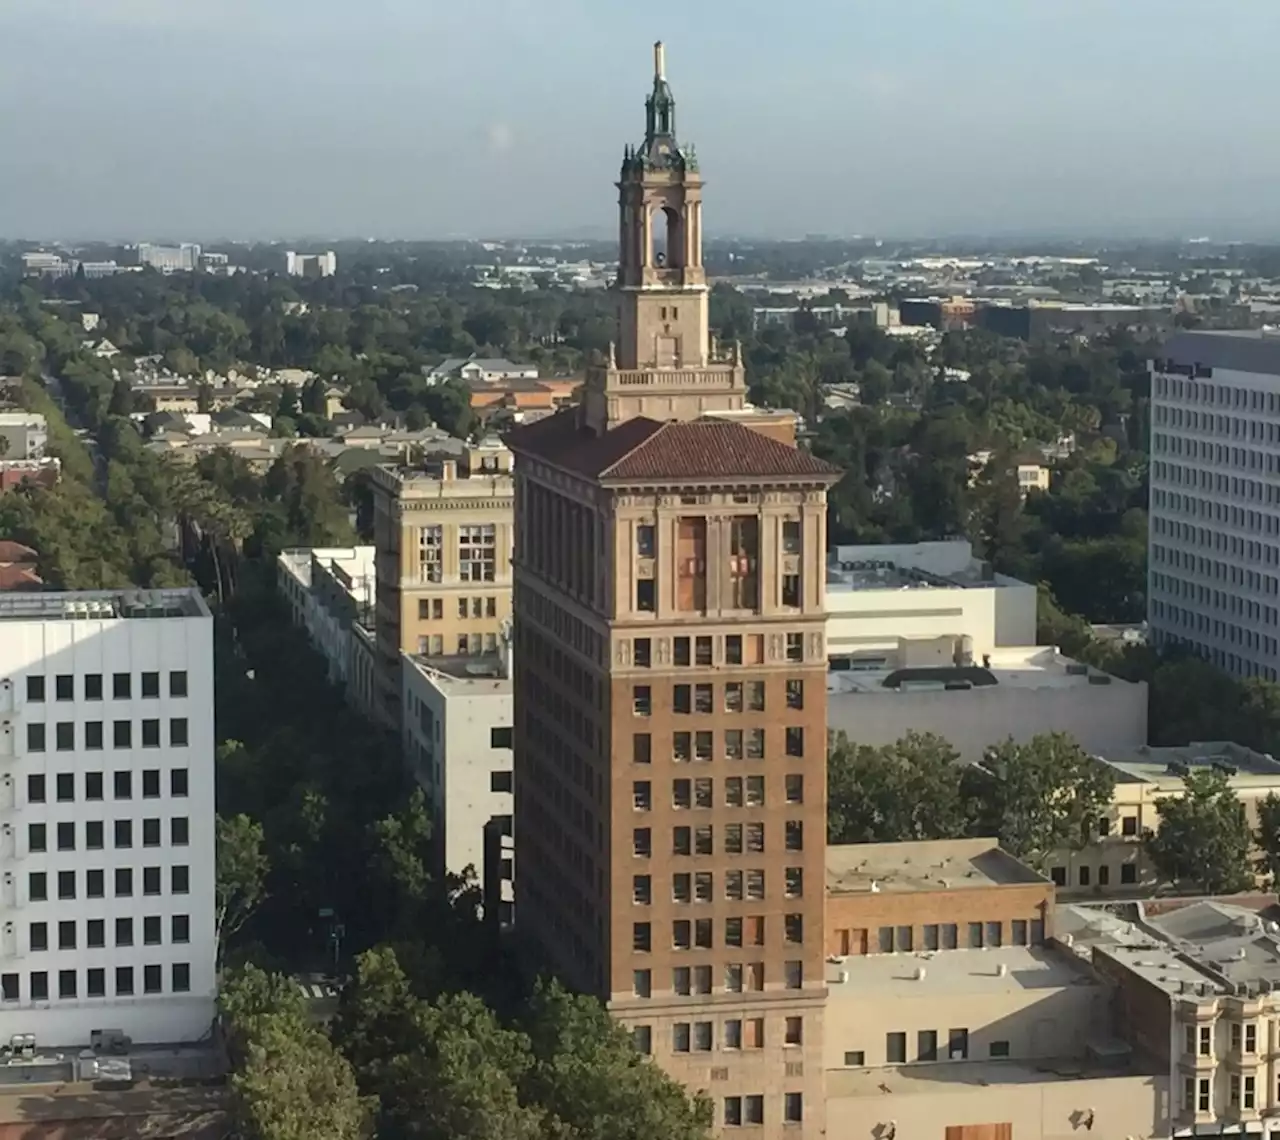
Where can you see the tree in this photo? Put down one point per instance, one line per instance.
(288, 1081)
(1039, 797)
(901, 791)
(1203, 840)
(242, 867)
(1267, 838)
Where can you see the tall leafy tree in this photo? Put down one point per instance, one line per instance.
(1203, 841)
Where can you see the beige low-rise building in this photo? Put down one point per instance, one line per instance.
(953, 1013)
(1115, 863)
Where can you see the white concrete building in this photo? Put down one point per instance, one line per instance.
(457, 730)
(330, 590)
(24, 435)
(881, 596)
(310, 264)
(1214, 567)
(106, 816)
(1019, 692)
(182, 258)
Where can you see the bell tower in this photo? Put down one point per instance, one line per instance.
(664, 363)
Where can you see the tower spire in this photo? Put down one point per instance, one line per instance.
(659, 62)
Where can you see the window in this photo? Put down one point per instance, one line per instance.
(477, 553)
(641, 795)
(1251, 1038)
(753, 1109)
(150, 783)
(703, 698)
(682, 981)
(66, 837)
(855, 1059)
(64, 736)
(641, 653)
(641, 937)
(703, 884)
(703, 1037)
(975, 936)
(150, 734)
(1129, 825)
(95, 879)
(501, 782)
(65, 785)
(95, 934)
(123, 833)
(998, 1049)
(66, 884)
(895, 1048)
(1128, 873)
(641, 700)
(792, 1108)
(123, 882)
(150, 684)
(1058, 875)
(1206, 1041)
(124, 932)
(642, 1039)
(93, 686)
(703, 841)
(96, 982)
(641, 748)
(791, 596)
(794, 1031)
(642, 843)
(795, 835)
(37, 886)
(152, 977)
(180, 928)
(66, 983)
(178, 782)
(733, 649)
(178, 737)
(180, 980)
(793, 928)
(120, 686)
(35, 789)
(122, 734)
(37, 838)
(733, 881)
(795, 789)
(793, 974)
(733, 931)
(93, 735)
(645, 545)
(927, 1045)
(681, 934)
(795, 741)
(9, 987)
(35, 687)
(703, 791)
(1084, 876)
(755, 884)
(681, 841)
(35, 736)
(682, 698)
(731, 1035)
(995, 935)
(646, 595)
(732, 1111)
(733, 697)
(794, 882)
(733, 839)
(39, 936)
(39, 985)
(795, 646)
(67, 935)
(702, 652)
(642, 983)
(681, 651)
(958, 1044)
(124, 981)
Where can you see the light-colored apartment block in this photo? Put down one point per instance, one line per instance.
(23, 435)
(1214, 565)
(106, 816)
(1115, 862)
(457, 737)
(329, 591)
(443, 535)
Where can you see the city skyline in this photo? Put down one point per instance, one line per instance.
(418, 121)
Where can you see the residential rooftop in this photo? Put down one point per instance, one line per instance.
(952, 973)
(923, 865)
(102, 605)
(488, 673)
(919, 566)
(1013, 667)
(1165, 767)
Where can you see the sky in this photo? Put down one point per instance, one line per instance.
(261, 119)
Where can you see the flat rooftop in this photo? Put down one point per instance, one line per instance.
(485, 673)
(924, 865)
(102, 605)
(1013, 667)
(1237, 350)
(916, 566)
(983, 1076)
(952, 973)
(1164, 768)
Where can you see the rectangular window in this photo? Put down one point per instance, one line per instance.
(958, 1044)
(93, 735)
(642, 983)
(895, 1048)
(122, 734)
(753, 1108)
(96, 982)
(64, 687)
(39, 985)
(681, 651)
(732, 1111)
(95, 934)
(641, 843)
(733, 649)
(152, 978)
(795, 741)
(35, 789)
(702, 652)
(792, 1108)
(1018, 932)
(178, 737)
(501, 781)
(66, 885)
(755, 696)
(66, 837)
(794, 1034)
(9, 987)
(64, 736)
(151, 734)
(641, 748)
(123, 882)
(646, 595)
(178, 782)
(150, 685)
(37, 838)
(180, 978)
(975, 936)
(794, 835)
(641, 795)
(795, 789)
(733, 697)
(124, 932)
(927, 1045)
(998, 1049)
(641, 937)
(641, 653)
(67, 935)
(120, 688)
(793, 974)
(35, 736)
(66, 983)
(180, 929)
(645, 545)
(93, 686)
(755, 885)
(641, 890)
(38, 937)
(35, 687)
(123, 833)
(95, 879)
(641, 700)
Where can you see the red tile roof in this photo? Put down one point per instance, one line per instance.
(649, 450)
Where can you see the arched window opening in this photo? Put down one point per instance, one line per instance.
(668, 238)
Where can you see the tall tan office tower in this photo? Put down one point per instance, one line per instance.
(670, 682)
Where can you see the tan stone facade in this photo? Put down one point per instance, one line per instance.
(670, 684)
(443, 535)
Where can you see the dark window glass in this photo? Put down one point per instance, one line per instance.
(93, 785)
(39, 936)
(150, 734)
(178, 683)
(93, 734)
(124, 882)
(122, 785)
(39, 985)
(35, 789)
(95, 933)
(178, 782)
(35, 737)
(123, 833)
(94, 883)
(150, 783)
(150, 880)
(178, 733)
(150, 833)
(66, 884)
(38, 886)
(181, 978)
(150, 684)
(120, 688)
(152, 977)
(180, 928)
(93, 686)
(179, 831)
(64, 687)
(124, 981)
(151, 930)
(122, 734)
(35, 687)
(124, 932)
(96, 982)
(65, 787)
(93, 835)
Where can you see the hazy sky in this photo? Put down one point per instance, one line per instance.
(433, 118)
